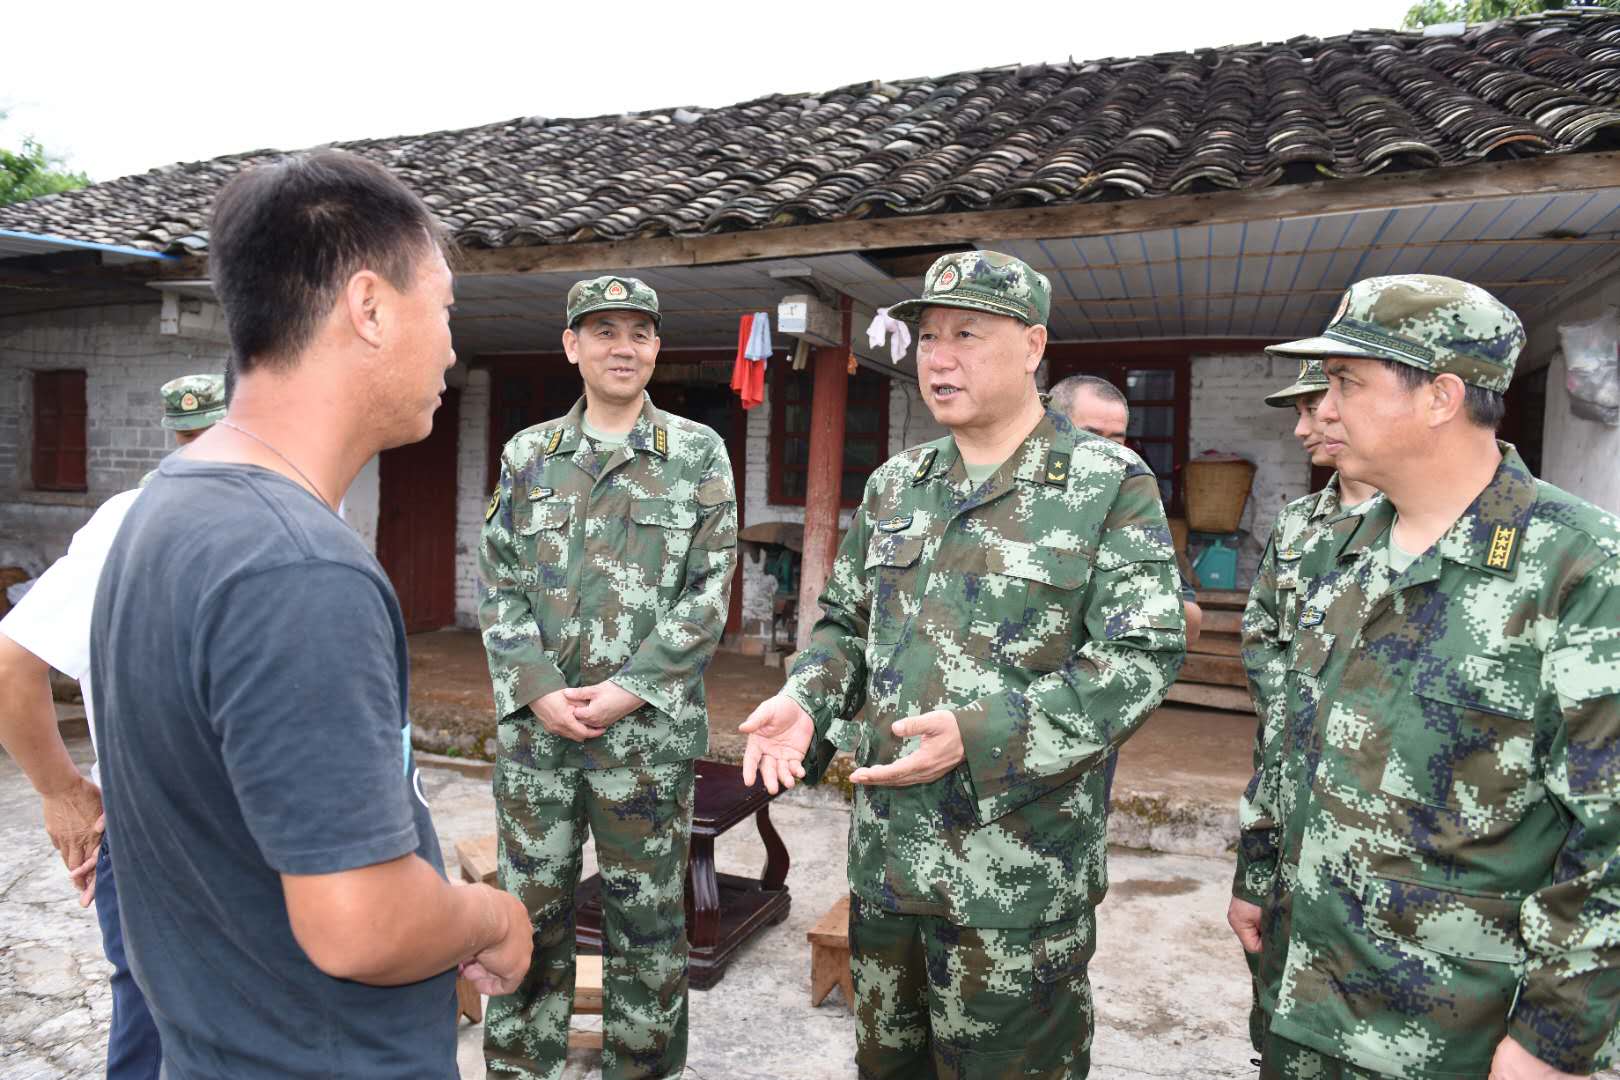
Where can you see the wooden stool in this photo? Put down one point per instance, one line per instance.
(478, 861)
(829, 955)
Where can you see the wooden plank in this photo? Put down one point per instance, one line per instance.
(587, 984)
(1214, 697)
(1219, 670)
(833, 927)
(1232, 599)
(1223, 622)
(1549, 174)
(1211, 644)
(478, 859)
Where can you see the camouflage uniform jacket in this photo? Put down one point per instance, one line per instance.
(1450, 852)
(1268, 627)
(609, 565)
(1042, 608)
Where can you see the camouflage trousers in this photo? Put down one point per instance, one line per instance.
(968, 1003)
(1284, 1060)
(642, 820)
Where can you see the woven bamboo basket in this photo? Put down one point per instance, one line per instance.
(1217, 491)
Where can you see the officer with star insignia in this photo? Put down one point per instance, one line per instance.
(607, 555)
(1438, 895)
(1005, 609)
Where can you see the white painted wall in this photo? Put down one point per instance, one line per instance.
(361, 502)
(1581, 456)
(1229, 415)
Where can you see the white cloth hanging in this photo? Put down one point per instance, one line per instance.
(897, 333)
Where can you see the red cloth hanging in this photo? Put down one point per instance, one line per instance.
(747, 376)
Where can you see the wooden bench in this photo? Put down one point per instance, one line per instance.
(829, 955)
(479, 862)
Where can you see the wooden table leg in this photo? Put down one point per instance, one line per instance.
(703, 928)
(776, 852)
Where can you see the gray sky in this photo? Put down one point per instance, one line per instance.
(122, 87)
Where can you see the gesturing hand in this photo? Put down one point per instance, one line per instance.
(602, 704)
(779, 733)
(939, 752)
(556, 714)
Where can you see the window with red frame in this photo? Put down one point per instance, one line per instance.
(59, 431)
(866, 434)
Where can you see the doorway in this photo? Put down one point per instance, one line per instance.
(416, 521)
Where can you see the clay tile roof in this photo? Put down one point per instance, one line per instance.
(1237, 117)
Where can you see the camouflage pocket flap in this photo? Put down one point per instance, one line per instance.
(1587, 671)
(1479, 683)
(1037, 562)
(1311, 650)
(1062, 955)
(663, 512)
(888, 549)
(548, 515)
(1464, 925)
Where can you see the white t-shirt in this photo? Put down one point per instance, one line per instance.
(52, 620)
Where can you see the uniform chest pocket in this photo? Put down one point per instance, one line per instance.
(1287, 596)
(543, 539)
(891, 568)
(661, 531)
(1026, 610)
(1307, 657)
(1462, 736)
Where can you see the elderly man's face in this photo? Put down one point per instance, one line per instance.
(975, 369)
(1092, 412)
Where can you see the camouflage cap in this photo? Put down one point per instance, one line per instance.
(1436, 324)
(611, 293)
(1312, 380)
(982, 281)
(193, 401)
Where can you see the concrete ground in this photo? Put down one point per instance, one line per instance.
(1170, 985)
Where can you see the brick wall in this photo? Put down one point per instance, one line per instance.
(472, 492)
(1229, 415)
(126, 360)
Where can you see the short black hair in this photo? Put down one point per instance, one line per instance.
(1064, 390)
(1484, 408)
(284, 239)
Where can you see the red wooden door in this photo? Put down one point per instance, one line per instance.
(416, 521)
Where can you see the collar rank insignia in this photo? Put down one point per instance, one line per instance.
(895, 524)
(494, 505)
(1057, 468)
(555, 440)
(924, 463)
(537, 493)
(661, 442)
(1312, 616)
(1501, 553)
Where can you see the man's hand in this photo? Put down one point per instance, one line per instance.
(779, 733)
(1244, 919)
(500, 967)
(84, 877)
(556, 714)
(602, 705)
(939, 752)
(1514, 1062)
(74, 823)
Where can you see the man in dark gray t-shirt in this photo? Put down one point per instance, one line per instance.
(285, 908)
(288, 717)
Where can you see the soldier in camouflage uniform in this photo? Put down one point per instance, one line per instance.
(1447, 784)
(191, 405)
(1005, 608)
(607, 553)
(1268, 625)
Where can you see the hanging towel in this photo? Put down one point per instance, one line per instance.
(897, 333)
(748, 375)
(759, 338)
